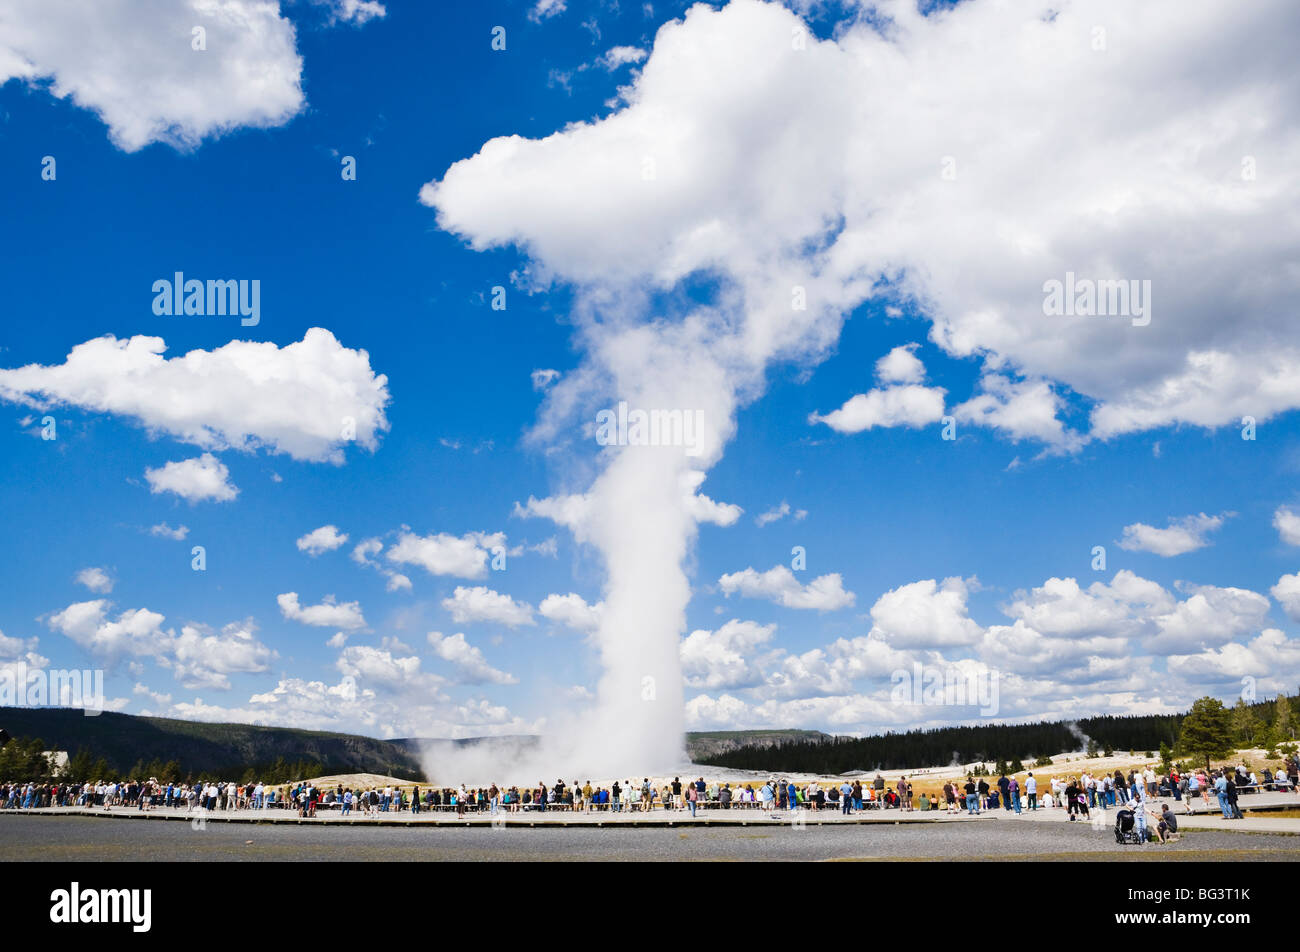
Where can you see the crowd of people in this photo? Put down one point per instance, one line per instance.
(306, 798)
(1134, 791)
(1077, 795)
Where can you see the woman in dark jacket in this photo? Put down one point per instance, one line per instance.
(1232, 797)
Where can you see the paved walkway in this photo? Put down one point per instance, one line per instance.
(1256, 808)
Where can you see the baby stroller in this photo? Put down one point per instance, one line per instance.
(1125, 828)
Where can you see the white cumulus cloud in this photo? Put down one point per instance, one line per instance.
(325, 539)
(194, 480)
(308, 399)
(572, 611)
(468, 661)
(1287, 593)
(1287, 523)
(330, 613)
(444, 554)
(778, 584)
(95, 579)
(482, 604)
(926, 614)
(1182, 535)
(134, 64)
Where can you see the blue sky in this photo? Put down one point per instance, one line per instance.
(1106, 433)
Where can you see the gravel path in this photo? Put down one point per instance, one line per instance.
(74, 838)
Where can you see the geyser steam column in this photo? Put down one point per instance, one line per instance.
(637, 520)
(704, 171)
(641, 513)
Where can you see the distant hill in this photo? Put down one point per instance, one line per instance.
(701, 745)
(124, 740)
(235, 750)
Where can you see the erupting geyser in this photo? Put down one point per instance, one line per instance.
(687, 281)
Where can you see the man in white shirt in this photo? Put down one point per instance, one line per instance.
(1031, 788)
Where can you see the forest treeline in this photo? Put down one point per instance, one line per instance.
(1267, 724)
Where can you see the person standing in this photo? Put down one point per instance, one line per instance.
(1140, 810)
(1031, 791)
(1232, 799)
(1221, 788)
(972, 797)
(1071, 796)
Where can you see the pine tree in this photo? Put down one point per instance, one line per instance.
(1207, 731)
(1245, 725)
(1166, 757)
(79, 766)
(1283, 719)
